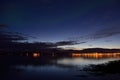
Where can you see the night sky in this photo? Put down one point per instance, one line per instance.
(91, 23)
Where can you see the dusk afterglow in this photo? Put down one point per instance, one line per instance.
(59, 39)
(94, 22)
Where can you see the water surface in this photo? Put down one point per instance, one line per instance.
(50, 68)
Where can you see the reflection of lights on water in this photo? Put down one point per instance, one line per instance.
(53, 54)
(36, 55)
(96, 55)
(27, 54)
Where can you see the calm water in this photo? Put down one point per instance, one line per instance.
(50, 68)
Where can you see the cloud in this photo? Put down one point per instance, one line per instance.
(52, 44)
(47, 45)
(99, 34)
(108, 32)
(82, 42)
(108, 40)
(56, 44)
(62, 43)
(6, 37)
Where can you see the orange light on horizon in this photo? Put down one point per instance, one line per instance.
(35, 55)
(96, 55)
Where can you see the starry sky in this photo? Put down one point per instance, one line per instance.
(91, 23)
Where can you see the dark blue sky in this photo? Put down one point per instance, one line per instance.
(95, 22)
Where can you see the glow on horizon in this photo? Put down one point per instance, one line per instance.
(81, 47)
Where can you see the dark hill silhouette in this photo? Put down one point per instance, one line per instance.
(100, 50)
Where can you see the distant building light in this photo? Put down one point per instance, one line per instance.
(35, 55)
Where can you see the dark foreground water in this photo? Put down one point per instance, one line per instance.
(52, 68)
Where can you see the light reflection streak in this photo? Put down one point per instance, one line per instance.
(97, 55)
